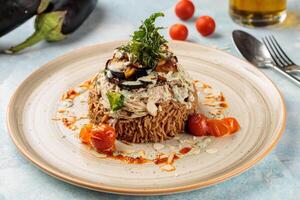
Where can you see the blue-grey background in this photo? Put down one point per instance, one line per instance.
(277, 177)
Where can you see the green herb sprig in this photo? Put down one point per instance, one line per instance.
(146, 43)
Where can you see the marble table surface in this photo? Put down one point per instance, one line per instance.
(276, 177)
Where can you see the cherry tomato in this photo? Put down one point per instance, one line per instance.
(218, 128)
(232, 123)
(184, 9)
(205, 25)
(103, 138)
(197, 125)
(85, 134)
(178, 32)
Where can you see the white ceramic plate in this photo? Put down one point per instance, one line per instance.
(252, 99)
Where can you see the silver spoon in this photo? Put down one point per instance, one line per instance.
(257, 53)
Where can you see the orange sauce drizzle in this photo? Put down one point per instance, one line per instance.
(127, 159)
(70, 94)
(223, 105)
(159, 160)
(204, 85)
(86, 84)
(185, 150)
(221, 97)
(69, 123)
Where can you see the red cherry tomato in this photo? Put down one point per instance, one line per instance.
(103, 138)
(185, 9)
(178, 32)
(205, 25)
(197, 125)
(232, 123)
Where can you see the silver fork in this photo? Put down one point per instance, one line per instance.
(279, 56)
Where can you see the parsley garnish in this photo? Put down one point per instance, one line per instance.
(146, 43)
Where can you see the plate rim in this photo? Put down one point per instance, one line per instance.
(139, 192)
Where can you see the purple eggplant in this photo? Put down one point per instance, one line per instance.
(13, 13)
(115, 73)
(131, 85)
(61, 19)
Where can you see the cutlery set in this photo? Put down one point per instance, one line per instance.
(266, 54)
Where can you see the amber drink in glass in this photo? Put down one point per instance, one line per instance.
(257, 12)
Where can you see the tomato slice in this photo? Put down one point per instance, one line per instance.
(85, 134)
(218, 128)
(232, 123)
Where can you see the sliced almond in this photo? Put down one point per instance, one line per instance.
(188, 141)
(142, 153)
(171, 158)
(167, 168)
(195, 151)
(151, 108)
(211, 151)
(61, 110)
(163, 156)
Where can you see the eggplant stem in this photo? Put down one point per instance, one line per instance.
(47, 27)
(43, 6)
(33, 39)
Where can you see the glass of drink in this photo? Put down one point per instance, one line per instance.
(257, 12)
